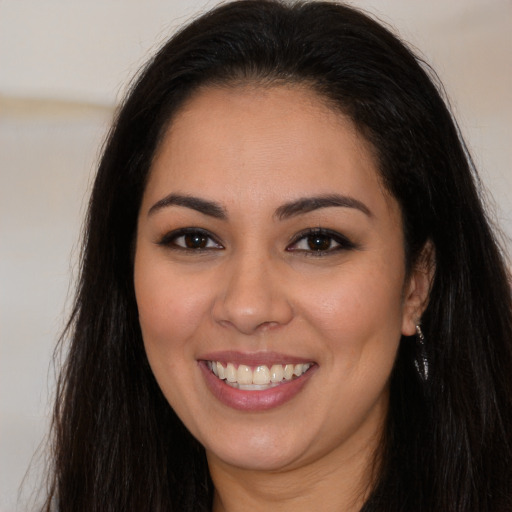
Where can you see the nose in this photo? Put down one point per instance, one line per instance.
(253, 297)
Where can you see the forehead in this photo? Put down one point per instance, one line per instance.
(270, 143)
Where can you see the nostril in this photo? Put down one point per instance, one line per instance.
(252, 298)
(248, 327)
(264, 314)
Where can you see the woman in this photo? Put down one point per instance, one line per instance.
(290, 294)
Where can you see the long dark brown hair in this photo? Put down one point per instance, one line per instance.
(118, 445)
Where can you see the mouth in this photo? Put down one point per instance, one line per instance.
(257, 378)
(255, 382)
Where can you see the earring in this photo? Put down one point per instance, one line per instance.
(421, 361)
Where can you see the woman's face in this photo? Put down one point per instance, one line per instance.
(270, 278)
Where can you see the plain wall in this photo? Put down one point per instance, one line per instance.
(63, 68)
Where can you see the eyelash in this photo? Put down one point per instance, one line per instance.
(343, 243)
(170, 240)
(307, 235)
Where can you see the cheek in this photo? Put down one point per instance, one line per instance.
(359, 309)
(171, 310)
(171, 307)
(361, 297)
(165, 318)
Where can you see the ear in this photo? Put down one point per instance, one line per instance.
(417, 289)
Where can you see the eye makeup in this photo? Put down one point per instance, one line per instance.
(311, 241)
(320, 242)
(190, 239)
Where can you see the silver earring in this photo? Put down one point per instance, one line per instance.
(421, 361)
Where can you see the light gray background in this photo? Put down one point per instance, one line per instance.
(63, 68)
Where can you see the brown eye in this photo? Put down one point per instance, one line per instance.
(319, 242)
(190, 239)
(195, 241)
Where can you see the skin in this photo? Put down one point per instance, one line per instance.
(254, 288)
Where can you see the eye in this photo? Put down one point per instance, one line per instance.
(320, 242)
(190, 239)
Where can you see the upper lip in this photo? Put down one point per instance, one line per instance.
(253, 358)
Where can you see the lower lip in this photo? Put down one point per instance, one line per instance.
(244, 400)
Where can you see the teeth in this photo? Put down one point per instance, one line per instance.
(244, 377)
(276, 373)
(230, 374)
(221, 373)
(261, 375)
(288, 371)
(255, 387)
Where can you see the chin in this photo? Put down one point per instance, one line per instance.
(258, 451)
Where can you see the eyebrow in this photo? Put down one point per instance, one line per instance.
(204, 206)
(308, 204)
(287, 210)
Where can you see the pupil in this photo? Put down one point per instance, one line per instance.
(195, 241)
(319, 242)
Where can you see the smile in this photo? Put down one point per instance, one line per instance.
(258, 378)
